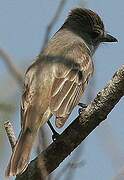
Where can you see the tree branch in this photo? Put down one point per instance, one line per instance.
(11, 67)
(52, 23)
(10, 134)
(81, 127)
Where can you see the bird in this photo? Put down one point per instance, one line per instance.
(55, 82)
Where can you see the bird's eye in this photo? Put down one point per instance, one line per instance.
(95, 34)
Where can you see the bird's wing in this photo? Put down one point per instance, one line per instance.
(68, 87)
(29, 110)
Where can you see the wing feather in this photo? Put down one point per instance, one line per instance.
(69, 85)
(65, 95)
(29, 110)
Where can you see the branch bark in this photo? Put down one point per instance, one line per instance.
(81, 127)
(10, 134)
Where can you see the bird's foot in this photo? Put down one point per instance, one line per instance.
(55, 136)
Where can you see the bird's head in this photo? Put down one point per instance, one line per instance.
(88, 25)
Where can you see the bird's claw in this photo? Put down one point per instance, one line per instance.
(55, 136)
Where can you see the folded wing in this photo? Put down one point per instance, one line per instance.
(68, 87)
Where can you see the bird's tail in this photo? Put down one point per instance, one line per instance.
(20, 156)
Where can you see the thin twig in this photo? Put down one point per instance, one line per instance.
(10, 134)
(11, 67)
(52, 23)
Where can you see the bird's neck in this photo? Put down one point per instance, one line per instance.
(79, 32)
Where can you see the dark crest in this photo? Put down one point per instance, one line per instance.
(84, 18)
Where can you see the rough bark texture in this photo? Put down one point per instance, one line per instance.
(82, 126)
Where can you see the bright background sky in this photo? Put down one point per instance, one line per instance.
(22, 28)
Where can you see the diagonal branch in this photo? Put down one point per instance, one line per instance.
(11, 67)
(52, 22)
(81, 127)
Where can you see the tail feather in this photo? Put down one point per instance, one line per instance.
(20, 156)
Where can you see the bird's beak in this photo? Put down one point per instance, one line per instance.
(108, 38)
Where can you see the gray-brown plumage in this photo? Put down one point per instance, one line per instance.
(55, 82)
